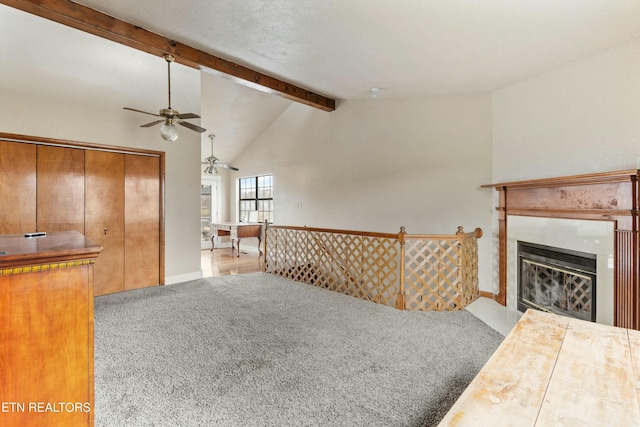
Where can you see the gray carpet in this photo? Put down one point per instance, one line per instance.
(260, 350)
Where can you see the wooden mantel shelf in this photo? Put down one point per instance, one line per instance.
(607, 196)
(594, 178)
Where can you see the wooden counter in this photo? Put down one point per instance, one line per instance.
(46, 330)
(554, 370)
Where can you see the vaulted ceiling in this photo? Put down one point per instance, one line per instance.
(408, 48)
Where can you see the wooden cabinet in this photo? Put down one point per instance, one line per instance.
(17, 187)
(113, 195)
(46, 325)
(104, 217)
(60, 182)
(142, 228)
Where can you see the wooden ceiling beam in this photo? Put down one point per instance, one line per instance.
(97, 23)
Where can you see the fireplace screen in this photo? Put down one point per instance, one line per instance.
(556, 280)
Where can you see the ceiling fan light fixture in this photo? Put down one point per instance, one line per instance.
(211, 170)
(172, 117)
(168, 131)
(213, 163)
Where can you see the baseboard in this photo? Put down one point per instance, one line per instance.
(179, 278)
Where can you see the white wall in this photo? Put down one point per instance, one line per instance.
(63, 83)
(580, 118)
(376, 165)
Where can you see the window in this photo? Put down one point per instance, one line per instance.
(256, 194)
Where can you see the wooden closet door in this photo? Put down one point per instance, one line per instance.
(60, 189)
(142, 221)
(104, 217)
(17, 187)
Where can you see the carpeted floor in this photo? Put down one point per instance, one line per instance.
(259, 350)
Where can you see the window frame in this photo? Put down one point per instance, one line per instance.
(255, 199)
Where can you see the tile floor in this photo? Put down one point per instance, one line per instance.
(500, 318)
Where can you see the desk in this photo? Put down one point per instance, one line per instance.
(552, 370)
(236, 230)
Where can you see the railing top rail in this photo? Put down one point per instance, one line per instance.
(336, 231)
(435, 236)
(458, 236)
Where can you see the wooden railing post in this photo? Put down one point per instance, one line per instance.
(462, 261)
(401, 300)
(266, 226)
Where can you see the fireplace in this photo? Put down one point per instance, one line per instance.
(557, 280)
(599, 198)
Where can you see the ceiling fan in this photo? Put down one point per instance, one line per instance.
(170, 116)
(213, 162)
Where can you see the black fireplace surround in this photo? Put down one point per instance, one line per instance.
(557, 280)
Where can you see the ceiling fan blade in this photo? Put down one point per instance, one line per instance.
(148, 125)
(188, 116)
(226, 166)
(192, 127)
(140, 111)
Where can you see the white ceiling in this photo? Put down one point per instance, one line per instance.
(342, 48)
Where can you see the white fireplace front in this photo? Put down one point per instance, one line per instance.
(592, 237)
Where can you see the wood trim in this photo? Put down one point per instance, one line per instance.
(162, 220)
(97, 23)
(624, 291)
(570, 213)
(609, 196)
(331, 230)
(502, 246)
(37, 140)
(460, 234)
(489, 295)
(594, 178)
(40, 140)
(44, 267)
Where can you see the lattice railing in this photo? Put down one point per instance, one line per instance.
(441, 272)
(437, 272)
(363, 265)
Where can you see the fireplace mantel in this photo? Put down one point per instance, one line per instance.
(608, 196)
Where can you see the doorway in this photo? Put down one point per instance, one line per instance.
(209, 208)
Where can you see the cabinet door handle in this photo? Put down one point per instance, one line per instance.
(105, 231)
